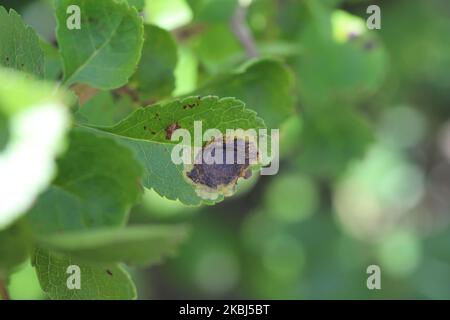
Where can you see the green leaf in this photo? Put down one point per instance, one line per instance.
(97, 183)
(139, 4)
(151, 123)
(53, 67)
(154, 77)
(160, 174)
(227, 49)
(105, 51)
(146, 132)
(267, 85)
(212, 10)
(105, 110)
(5, 132)
(14, 248)
(108, 282)
(328, 146)
(330, 69)
(27, 162)
(19, 45)
(137, 245)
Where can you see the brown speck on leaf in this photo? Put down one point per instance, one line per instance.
(369, 45)
(171, 129)
(192, 105)
(109, 272)
(149, 130)
(188, 106)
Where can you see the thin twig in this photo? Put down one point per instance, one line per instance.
(4, 295)
(240, 29)
(187, 32)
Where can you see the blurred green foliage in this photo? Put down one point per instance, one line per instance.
(365, 147)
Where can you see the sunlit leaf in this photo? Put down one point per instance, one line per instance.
(36, 122)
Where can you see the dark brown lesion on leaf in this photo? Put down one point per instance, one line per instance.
(171, 129)
(149, 130)
(225, 174)
(109, 272)
(189, 106)
(193, 104)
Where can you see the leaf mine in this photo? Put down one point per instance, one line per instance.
(171, 129)
(212, 179)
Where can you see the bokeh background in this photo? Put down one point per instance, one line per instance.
(365, 161)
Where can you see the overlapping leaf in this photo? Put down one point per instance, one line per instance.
(212, 10)
(53, 67)
(107, 282)
(97, 183)
(328, 146)
(139, 4)
(139, 245)
(104, 110)
(14, 249)
(267, 85)
(19, 45)
(104, 52)
(154, 77)
(329, 70)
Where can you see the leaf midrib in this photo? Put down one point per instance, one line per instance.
(102, 132)
(95, 53)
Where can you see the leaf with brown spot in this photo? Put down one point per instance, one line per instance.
(154, 150)
(171, 129)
